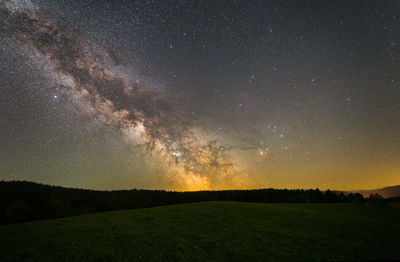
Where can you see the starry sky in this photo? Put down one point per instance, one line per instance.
(192, 95)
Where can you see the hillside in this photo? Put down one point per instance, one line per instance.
(386, 192)
(26, 201)
(212, 231)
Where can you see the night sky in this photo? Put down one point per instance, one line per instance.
(189, 95)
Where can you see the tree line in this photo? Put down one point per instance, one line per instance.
(22, 201)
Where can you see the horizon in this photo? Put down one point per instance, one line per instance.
(233, 189)
(185, 96)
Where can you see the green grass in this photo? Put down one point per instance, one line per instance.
(211, 231)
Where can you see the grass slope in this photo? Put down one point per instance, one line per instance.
(218, 231)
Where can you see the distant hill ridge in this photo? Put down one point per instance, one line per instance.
(386, 192)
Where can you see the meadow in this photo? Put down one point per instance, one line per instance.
(212, 231)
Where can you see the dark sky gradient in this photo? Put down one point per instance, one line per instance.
(189, 95)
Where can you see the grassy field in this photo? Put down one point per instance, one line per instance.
(211, 231)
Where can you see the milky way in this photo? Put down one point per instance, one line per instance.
(141, 115)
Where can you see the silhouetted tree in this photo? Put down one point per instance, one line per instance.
(25, 201)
